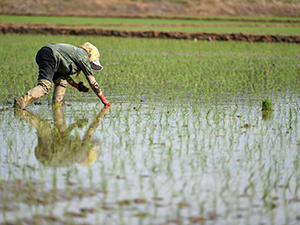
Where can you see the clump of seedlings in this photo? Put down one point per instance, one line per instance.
(267, 105)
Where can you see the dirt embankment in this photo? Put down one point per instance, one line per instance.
(48, 29)
(154, 7)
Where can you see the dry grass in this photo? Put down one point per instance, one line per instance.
(156, 7)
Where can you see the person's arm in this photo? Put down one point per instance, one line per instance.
(85, 66)
(95, 86)
(79, 86)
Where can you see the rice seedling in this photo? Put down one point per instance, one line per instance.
(267, 105)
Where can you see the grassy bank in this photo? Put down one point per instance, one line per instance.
(221, 26)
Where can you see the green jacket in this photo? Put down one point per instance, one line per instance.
(70, 60)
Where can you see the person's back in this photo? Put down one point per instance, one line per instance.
(70, 60)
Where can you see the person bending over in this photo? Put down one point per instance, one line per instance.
(57, 62)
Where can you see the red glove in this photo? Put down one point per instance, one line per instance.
(75, 85)
(104, 101)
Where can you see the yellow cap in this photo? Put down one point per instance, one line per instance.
(91, 50)
(93, 55)
(90, 158)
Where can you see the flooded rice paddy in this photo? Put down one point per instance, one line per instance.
(151, 162)
(185, 140)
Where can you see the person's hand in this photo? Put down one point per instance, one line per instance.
(82, 88)
(106, 108)
(104, 101)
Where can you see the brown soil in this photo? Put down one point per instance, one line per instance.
(48, 29)
(154, 7)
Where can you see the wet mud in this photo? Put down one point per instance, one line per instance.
(32, 193)
(52, 29)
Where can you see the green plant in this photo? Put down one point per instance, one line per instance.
(267, 105)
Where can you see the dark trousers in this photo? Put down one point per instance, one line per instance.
(46, 61)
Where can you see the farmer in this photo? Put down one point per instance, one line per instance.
(56, 63)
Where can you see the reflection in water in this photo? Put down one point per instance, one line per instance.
(55, 145)
(267, 114)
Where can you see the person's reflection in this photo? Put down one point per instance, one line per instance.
(55, 145)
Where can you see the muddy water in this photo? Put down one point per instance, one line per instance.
(151, 163)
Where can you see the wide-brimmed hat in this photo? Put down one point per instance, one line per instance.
(93, 55)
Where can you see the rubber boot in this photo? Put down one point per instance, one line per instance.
(43, 87)
(59, 120)
(23, 102)
(59, 91)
